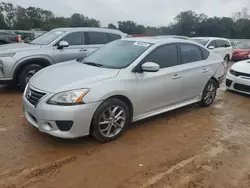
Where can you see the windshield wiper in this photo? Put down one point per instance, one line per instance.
(93, 64)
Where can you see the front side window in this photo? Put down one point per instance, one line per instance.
(222, 44)
(48, 37)
(97, 38)
(212, 43)
(74, 39)
(165, 56)
(190, 53)
(117, 54)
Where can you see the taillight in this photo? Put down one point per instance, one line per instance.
(17, 39)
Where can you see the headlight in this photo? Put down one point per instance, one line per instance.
(7, 55)
(68, 98)
(233, 72)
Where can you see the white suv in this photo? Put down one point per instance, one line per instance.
(220, 46)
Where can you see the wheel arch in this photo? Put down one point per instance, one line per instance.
(40, 61)
(216, 80)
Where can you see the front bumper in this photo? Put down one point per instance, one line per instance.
(45, 117)
(240, 84)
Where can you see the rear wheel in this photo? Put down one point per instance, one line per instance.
(110, 120)
(209, 93)
(26, 73)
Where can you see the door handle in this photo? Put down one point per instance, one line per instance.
(204, 70)
(83, 50)
(176, 76)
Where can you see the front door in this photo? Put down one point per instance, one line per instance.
(158, 90)
(76, 48)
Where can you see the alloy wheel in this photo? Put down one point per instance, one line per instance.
(210, 93)
(112, 121)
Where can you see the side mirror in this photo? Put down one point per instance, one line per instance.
(150, 67)
(63, 44)
(211, 47)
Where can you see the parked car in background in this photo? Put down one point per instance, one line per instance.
(220, 46)
(241, 51)
(19, 62)
(124, 81)
(9, 37)
(238, 77)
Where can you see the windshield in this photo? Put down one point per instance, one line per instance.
(243, 46)
(47, 38)
(118, 54)
(201, 41)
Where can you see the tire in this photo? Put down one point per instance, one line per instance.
(101, 127)
(227, 59)
(22, 76)
(2, 43)
(209, 93)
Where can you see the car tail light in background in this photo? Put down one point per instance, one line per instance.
(18, 38)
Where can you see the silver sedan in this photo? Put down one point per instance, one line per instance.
(123, 82)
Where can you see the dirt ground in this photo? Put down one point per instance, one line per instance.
(191, 147)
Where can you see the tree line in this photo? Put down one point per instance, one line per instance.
(187, 23)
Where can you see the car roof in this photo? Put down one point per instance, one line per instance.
(68, 29)
(209, 38)
(156, 40)
(168, 36)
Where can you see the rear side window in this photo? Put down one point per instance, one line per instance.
(165, 56)
(74, 39)
(97, 38)
(190, 53)
(113, 37)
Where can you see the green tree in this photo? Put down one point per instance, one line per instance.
(21, 19)
(8, 10)
(112, 26)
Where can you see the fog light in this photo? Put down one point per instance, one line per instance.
(47, 126)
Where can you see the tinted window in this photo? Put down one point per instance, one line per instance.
(190, 53)
(97, 38)
(117, 54)
(76, 38)
(205, 53)
(222, 44)
(212, 43)
(165, 56)
(113, 37)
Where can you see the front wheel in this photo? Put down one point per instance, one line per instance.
(209, 93)
(26, 73)
(110, 120)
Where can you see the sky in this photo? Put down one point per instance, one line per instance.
(146, 12)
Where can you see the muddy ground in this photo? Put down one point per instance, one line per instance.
(190, 147)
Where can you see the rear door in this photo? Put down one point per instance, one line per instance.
(75, 50)
(158, 90)
(196, 70)
(222, 48)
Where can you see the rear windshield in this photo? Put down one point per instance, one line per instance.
(201, 41)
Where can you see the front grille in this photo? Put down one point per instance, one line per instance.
(33, 96)
(242, 87)
(228, 82)
(241, 74)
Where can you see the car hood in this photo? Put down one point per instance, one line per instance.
(242, 66)
(70, 75)
(17, 47)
